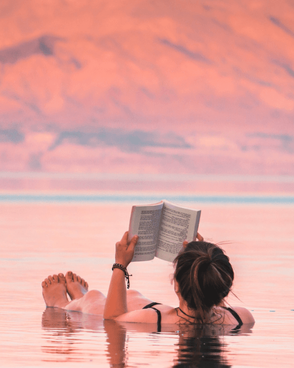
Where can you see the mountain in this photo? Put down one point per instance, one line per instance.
(164, 85)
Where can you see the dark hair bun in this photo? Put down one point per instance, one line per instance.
(204, 275)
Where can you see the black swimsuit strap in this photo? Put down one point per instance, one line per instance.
(187, 314)
(150, 306)
(158, 319)
(236, 316)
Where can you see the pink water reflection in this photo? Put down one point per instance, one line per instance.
(41, 239)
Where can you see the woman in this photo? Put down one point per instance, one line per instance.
(203, 278)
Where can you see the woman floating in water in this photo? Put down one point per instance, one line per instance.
(203, 277)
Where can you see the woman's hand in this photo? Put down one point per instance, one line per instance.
(124, 250)
(116, 301)
(198, 237)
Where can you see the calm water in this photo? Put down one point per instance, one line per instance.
(42, 238)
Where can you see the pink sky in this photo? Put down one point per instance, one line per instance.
(147, 87)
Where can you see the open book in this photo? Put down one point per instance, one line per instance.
(162, 227)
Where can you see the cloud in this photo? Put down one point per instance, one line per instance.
(279, 24)
(126, 141)
(286, 67)
(34, 162)
(42, 45)
(216, 142)
(285, 141)
(138, 151)
(191, 54)
(11, 135)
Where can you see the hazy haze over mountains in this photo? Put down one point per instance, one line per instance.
(147, 86)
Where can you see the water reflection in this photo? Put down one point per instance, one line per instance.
(77, 337)
(202, 346)
(66, 333)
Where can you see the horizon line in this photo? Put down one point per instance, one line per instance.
(143, 197)
(145, 177)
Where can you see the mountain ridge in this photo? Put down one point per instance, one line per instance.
(216, 75)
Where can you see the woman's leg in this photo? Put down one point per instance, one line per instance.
(78, 288)
(135, 300)
(91, 302)
(54, 291)
(56, 287)
(82, 300)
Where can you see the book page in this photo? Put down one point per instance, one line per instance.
(145, 222)
(177, 224)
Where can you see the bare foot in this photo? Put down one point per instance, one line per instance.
(75, 285)
(54, 291)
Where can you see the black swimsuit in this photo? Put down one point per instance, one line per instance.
(150, 305)
(234, 314)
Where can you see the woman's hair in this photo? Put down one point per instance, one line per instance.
(204, 275)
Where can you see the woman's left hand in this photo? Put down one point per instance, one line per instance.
(199, 237)
(124, 250)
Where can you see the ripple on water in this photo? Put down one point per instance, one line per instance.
(56, 338)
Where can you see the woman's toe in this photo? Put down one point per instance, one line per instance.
(55, 279)
(68, 276)
(61, 278)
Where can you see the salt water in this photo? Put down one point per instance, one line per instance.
(43, 235)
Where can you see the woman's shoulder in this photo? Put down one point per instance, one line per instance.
(139, 316)
(245, 315)
(233, 315)
(148, 315)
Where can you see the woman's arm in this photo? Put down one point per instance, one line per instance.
(116, 301)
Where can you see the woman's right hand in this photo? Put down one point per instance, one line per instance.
(124, 250)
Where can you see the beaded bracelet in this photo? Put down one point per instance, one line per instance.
(124, 269)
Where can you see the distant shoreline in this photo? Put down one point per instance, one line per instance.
(144, 198)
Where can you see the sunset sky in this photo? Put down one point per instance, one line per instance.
(147, 87)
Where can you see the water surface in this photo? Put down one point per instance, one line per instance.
(39, 238)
